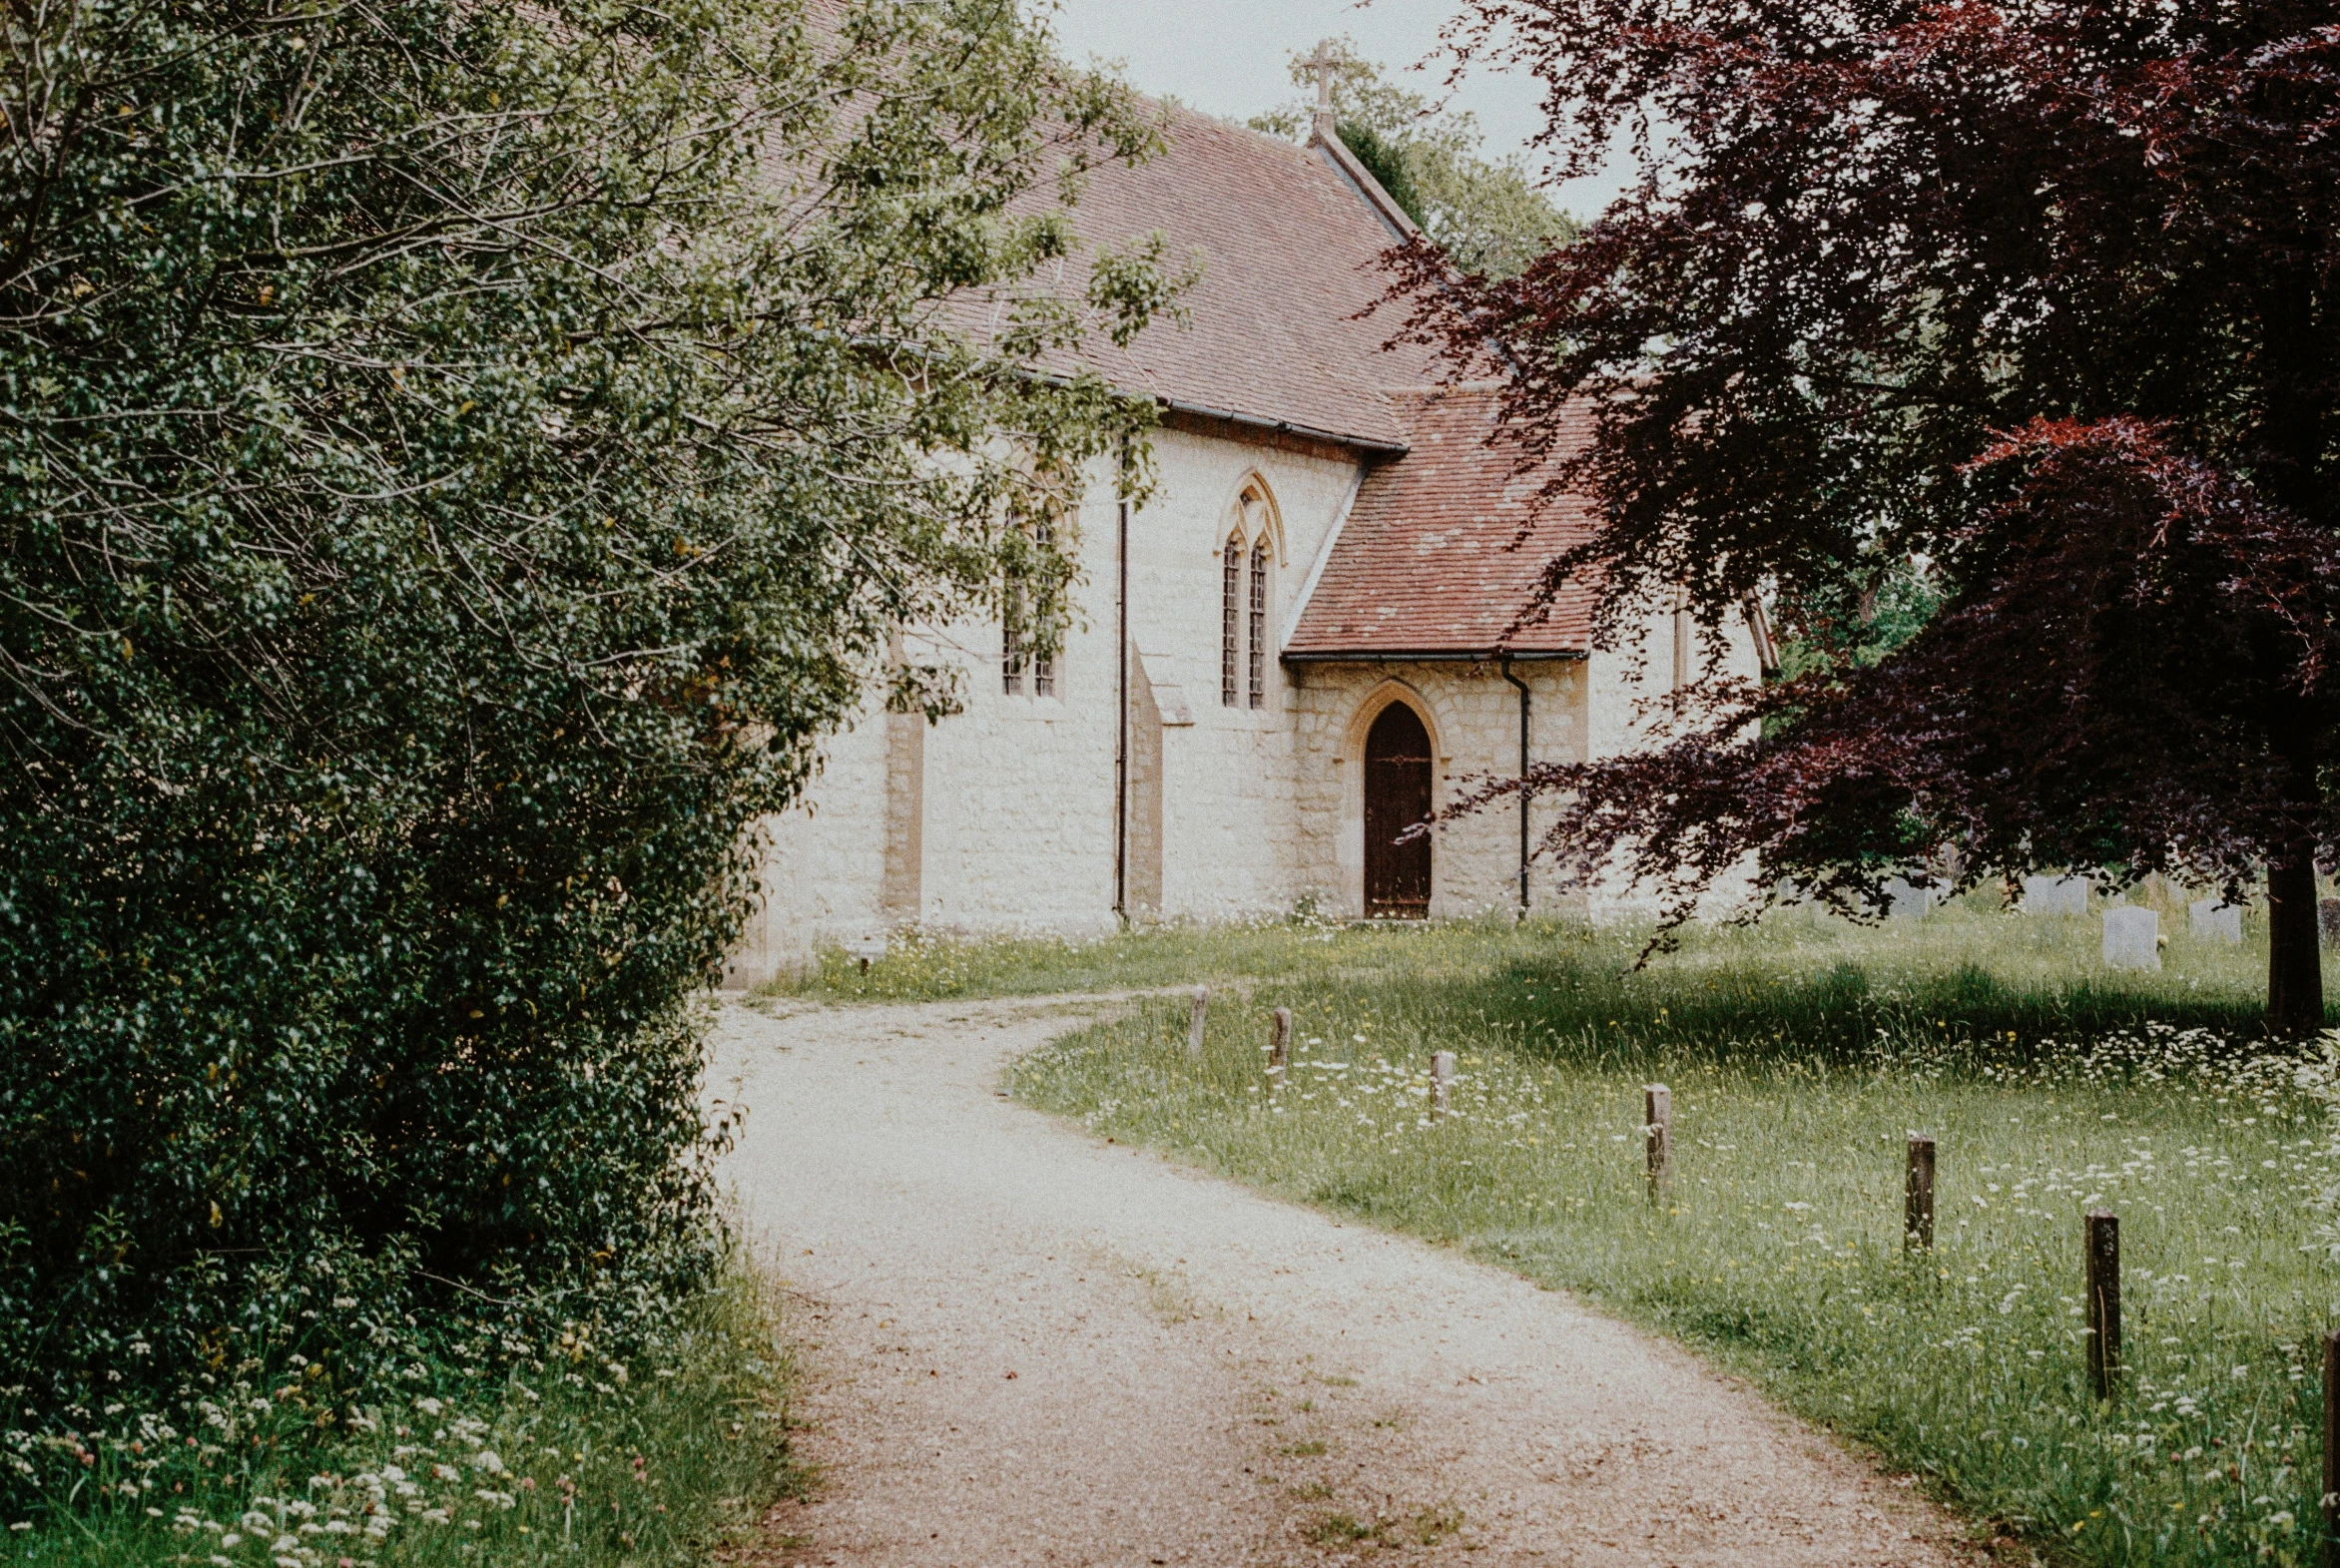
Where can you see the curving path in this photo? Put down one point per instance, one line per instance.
(1030, 1346)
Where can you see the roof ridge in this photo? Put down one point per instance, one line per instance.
(1477, 388)
(1180, 109)
(1328, 141)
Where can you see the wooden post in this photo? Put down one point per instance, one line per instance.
(1194, 1024)
(2331, 1497)
(1441, 1078)
(1917, 1202)
(2104, 1288)
(1279, 1048)
(1658, 1120)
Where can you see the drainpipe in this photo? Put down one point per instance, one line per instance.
(1526, 709)
(1121, 692)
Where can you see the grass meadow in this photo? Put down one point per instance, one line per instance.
(582, 1462)
(921, 968)
(1801, 1055)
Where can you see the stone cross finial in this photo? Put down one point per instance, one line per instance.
(1326, 60)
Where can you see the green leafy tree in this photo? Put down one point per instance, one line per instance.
(1857, 617)
(457, 460)
(1488, 213)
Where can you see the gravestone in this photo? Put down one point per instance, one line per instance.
(2328, 921)
(2211, 920)
(2132, 938)
(2055, 895)
(1903, 902)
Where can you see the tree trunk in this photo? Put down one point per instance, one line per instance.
(2298, 365)
(2295, 962)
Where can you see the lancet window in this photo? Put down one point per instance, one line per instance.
(1019, 652)
(1230, 610)
(1257, 670)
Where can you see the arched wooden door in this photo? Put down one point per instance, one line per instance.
(1396, 795)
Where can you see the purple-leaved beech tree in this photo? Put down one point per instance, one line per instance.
(2044, 296)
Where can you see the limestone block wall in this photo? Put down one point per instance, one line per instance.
(1017, 818)
(1229, 830)
(1472, 716)
(1629, 682)
(1626, 712)
(824, 863)
(1001, 818)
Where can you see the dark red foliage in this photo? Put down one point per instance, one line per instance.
(2048, 296)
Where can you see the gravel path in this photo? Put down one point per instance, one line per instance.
(1029, 1347)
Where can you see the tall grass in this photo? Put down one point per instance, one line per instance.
(579, 1460)
(925, 966)
(1802, 1054)
(2051, 960)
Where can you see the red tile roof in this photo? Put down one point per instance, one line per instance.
(1291, 244)
(1291, 253)
(1426, 563)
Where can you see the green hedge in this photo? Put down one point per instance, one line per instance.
(455, 461)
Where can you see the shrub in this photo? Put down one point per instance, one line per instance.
(574, 1458)
(458, 459)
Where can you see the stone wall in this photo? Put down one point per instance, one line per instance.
(1472, 716)
(824, 863)
(1001, 818)
(1228, 827)
(1626, 710)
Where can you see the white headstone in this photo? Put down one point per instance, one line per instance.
(2209, 920)
(2132, 938)
(1903, 902)
(2055, 895)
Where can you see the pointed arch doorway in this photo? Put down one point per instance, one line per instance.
(1396, 795)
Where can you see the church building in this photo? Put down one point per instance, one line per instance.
(1301, 646)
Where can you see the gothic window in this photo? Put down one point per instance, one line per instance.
(1013, 659)
(1259, 624)
(1043, 664)
(1230, 607)
(1017, 656)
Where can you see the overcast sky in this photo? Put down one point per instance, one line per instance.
(1231, 58)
